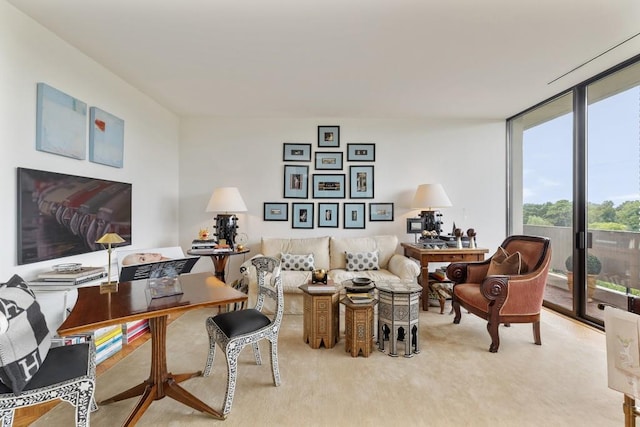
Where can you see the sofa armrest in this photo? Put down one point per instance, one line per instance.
(403, 267)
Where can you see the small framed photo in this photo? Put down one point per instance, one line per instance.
(329, 136)
(380, 211)
(296, 182)
(302, 215)
(296, 152)
(361, 152)
(276, 211)
(328, 160)
(328, 186)
(354, 215)
(361, 182)
(328, 215)
(415, 225)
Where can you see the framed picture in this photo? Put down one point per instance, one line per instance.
(296, 152)
(361, 152)
(328, 215)
(296, 182)
(328, 186)
(328, 160)
(61, 123)
(276, 211)
(380, 211)
(361, 182)
(302, 215)
(415, 225)
(354, 215)
(106, 138)
(329, 136)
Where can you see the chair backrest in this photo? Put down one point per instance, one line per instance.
(269, 268)
(534, 250)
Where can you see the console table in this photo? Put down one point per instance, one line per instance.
(424, 256)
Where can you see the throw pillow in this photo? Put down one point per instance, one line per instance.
(361, 261)
(25, 344)
(505, 266)
(294, 262)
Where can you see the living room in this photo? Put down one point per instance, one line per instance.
(174, 156)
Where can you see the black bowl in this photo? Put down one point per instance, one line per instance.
(361, 281)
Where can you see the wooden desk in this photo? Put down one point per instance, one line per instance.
(424, 256)
(219, 259)
(94, 310)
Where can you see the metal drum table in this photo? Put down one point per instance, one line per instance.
(398, 315)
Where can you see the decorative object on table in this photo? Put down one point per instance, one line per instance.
(75, 276)
(381, 211)
(109, 239)
(226, 201)
(296, 152)
(428, 197)
(328, 186)
(199, 244)
(361, 182)
(319, 276)
(276, 211)
(164, 286)
(203, 234)
(296, 182)
(458, 233)
(329, 136)
(106, 138)
(354, 215)
(61, 123)
(241, 241)
(361, 152)
(471, 233)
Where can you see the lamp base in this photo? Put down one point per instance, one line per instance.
(432, 221)
(108, 287)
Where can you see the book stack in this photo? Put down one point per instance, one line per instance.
(108, 341)
(133, 330)
(360, 297)
(57, 341)
(75, 277)
(204, 246)
(439, 275)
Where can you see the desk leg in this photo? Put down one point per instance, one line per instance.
(161, 383)
(424, 282)
(219, 263)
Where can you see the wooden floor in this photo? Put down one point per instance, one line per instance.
(25, 416)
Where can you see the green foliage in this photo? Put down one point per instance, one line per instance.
(604, 216)
(611, 226)
(594, 266)
(537, 220)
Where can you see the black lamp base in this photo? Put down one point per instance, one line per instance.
(226, 225)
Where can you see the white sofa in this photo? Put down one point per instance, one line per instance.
(329, 253)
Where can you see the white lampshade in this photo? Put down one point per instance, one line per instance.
(429, 196)
(226, 199)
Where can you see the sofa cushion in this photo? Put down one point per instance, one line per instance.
(362, 261)
(318, 246)
(25, 343)
(293, 262)
(385, 245)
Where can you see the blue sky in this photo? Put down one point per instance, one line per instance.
(613, 156)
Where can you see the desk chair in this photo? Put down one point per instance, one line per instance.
(234, 330)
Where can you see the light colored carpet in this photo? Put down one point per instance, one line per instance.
(453, 381)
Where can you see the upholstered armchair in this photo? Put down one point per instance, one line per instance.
(506, 288)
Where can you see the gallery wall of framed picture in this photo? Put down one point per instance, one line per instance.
(317, 175)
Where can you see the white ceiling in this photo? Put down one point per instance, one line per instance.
(347, 58)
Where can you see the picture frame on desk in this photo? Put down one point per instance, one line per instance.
(415, 225)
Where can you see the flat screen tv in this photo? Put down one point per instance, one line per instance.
(61, 215)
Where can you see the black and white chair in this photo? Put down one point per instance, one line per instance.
(30, 371)
(234, 330)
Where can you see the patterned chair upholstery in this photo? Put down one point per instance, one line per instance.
(504, 298)
(234, 330)
(67, 373)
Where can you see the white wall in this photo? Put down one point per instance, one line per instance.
(30, 54)
(467, 157)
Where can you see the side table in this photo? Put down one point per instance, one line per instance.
(358, 327)
(425, 256)
(219, 259)
(398, 315)
(321, 321)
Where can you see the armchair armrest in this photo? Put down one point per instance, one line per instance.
(403, 267)
(468, 272)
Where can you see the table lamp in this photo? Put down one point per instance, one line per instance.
(428, 197)
(226, 201)
(109, 239)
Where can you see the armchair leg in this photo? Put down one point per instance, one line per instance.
(536, 333)
(492, 327)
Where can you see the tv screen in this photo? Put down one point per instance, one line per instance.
(62, 215)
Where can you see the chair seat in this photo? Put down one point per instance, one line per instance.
(63, 363)
(241, 322)
(470, 294)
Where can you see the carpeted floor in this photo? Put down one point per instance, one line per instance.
(453, 381)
